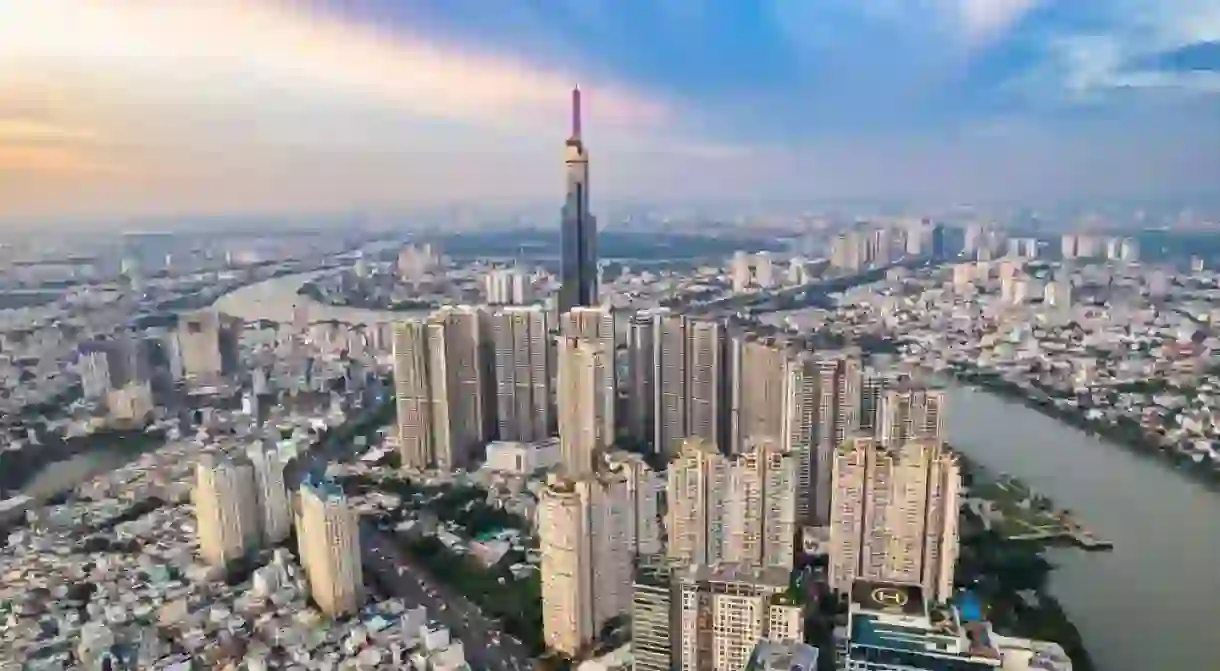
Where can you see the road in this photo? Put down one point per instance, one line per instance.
(383, 558)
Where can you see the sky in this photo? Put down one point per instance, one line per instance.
(138, 107)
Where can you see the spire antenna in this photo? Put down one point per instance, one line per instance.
(576, 112)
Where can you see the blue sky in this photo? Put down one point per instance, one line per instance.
(244, 105)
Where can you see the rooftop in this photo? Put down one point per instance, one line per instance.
(783, 656)
(888, 597)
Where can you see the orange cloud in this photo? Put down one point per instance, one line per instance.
(205, 51)
(52, 160)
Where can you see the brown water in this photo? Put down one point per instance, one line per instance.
(1153, 602)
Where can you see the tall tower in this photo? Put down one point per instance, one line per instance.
(578, 229)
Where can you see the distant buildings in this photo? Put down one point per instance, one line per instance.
(507, 286)
(206, 345)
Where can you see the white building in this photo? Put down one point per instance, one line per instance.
(520, 458)
(507, 286)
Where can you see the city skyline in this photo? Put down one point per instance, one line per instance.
(233, 107)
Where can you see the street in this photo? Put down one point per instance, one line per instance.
(478, 634)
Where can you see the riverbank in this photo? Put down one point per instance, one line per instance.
(1011, 578)
(1126, 434)
(1014, 511)
(1004, 564)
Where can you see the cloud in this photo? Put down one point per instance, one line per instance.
(983, 20)
(208, 55)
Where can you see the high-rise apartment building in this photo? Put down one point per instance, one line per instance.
(910, 413)
(846, 251)
(670, 381)
(697, 490)
(586, 403)
(589, 323)
(757, 393)
(643, 486)
(691, 382)
(94, 371)
(641, 383)
(275, 505)
(760, 510)
(738, 509)
(328, 534)
(838, 404)
(507, 286)
(727, 609)
(522, 367)
(227, 516)
(707, 414)
(413, 394)
(873, 385)
(441, 377)
(894, 514)
(586, 562)
(199, 345)
(655, 626)
(578, 230)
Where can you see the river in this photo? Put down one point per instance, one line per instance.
(1153, 601)
(277, 299)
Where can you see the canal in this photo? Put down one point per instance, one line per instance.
(1153, 601)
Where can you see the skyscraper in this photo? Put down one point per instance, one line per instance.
(654, 626)
(274, 504)
(727, 609)
(641, 382)
(441, 382)
(894, 515)
(578, 229)
(910, 413)
(739, 509)
(328, 533)
(586, 408)
(521, 360)
(199, 342)
(586, 561)
(838, 417)
(691, 382)
(226, 509)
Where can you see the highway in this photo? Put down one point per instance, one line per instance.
(477, 633)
